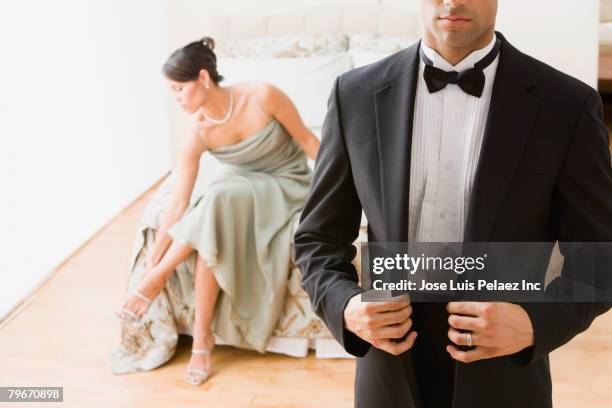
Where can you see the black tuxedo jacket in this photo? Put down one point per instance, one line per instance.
(544, 175)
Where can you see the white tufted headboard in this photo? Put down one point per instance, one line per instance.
(377, 19)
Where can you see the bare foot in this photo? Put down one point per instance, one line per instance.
(201, 361)
(149, 286)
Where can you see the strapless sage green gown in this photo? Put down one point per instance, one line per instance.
(242, 226)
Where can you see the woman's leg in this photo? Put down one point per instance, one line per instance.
(155, 278)
(206, 292)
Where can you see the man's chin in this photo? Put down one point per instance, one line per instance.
(456, 38)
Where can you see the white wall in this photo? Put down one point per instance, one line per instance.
(83, 126)
(562, 33)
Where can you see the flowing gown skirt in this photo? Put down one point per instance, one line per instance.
(241, 224)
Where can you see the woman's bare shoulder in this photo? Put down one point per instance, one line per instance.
(269, 95)
(262, 88)
(195, 138)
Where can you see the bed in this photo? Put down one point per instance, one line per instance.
(302, 51)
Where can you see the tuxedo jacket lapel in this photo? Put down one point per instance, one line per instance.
(394, 107)
(511, 115)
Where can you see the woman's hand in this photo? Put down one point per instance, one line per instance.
(150, 260)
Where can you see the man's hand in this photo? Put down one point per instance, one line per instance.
(379, 322)
(498, 329)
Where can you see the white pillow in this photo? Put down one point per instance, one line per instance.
(307, 81)
(367, 42)
(286, 46)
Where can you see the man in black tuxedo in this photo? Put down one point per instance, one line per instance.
(543, 175)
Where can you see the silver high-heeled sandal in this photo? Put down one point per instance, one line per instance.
(129, 316)
(194, 375)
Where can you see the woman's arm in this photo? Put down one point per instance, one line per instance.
(276, 103)
(187, 168)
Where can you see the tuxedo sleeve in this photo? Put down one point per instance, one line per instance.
(329, 224)
(582, 208)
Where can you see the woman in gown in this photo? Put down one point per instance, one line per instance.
(240, 226)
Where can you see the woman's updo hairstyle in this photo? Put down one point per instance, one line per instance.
(185, 63)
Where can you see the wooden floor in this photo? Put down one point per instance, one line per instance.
(64, 334)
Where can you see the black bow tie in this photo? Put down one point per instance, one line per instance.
(471, 81)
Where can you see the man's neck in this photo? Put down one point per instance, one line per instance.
(454, 55)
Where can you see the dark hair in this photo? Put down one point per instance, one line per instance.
(184, 64)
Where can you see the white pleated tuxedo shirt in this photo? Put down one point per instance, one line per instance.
(447, 135)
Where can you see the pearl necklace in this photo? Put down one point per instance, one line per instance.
(229, 111)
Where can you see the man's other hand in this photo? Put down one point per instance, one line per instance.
(380, 322)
